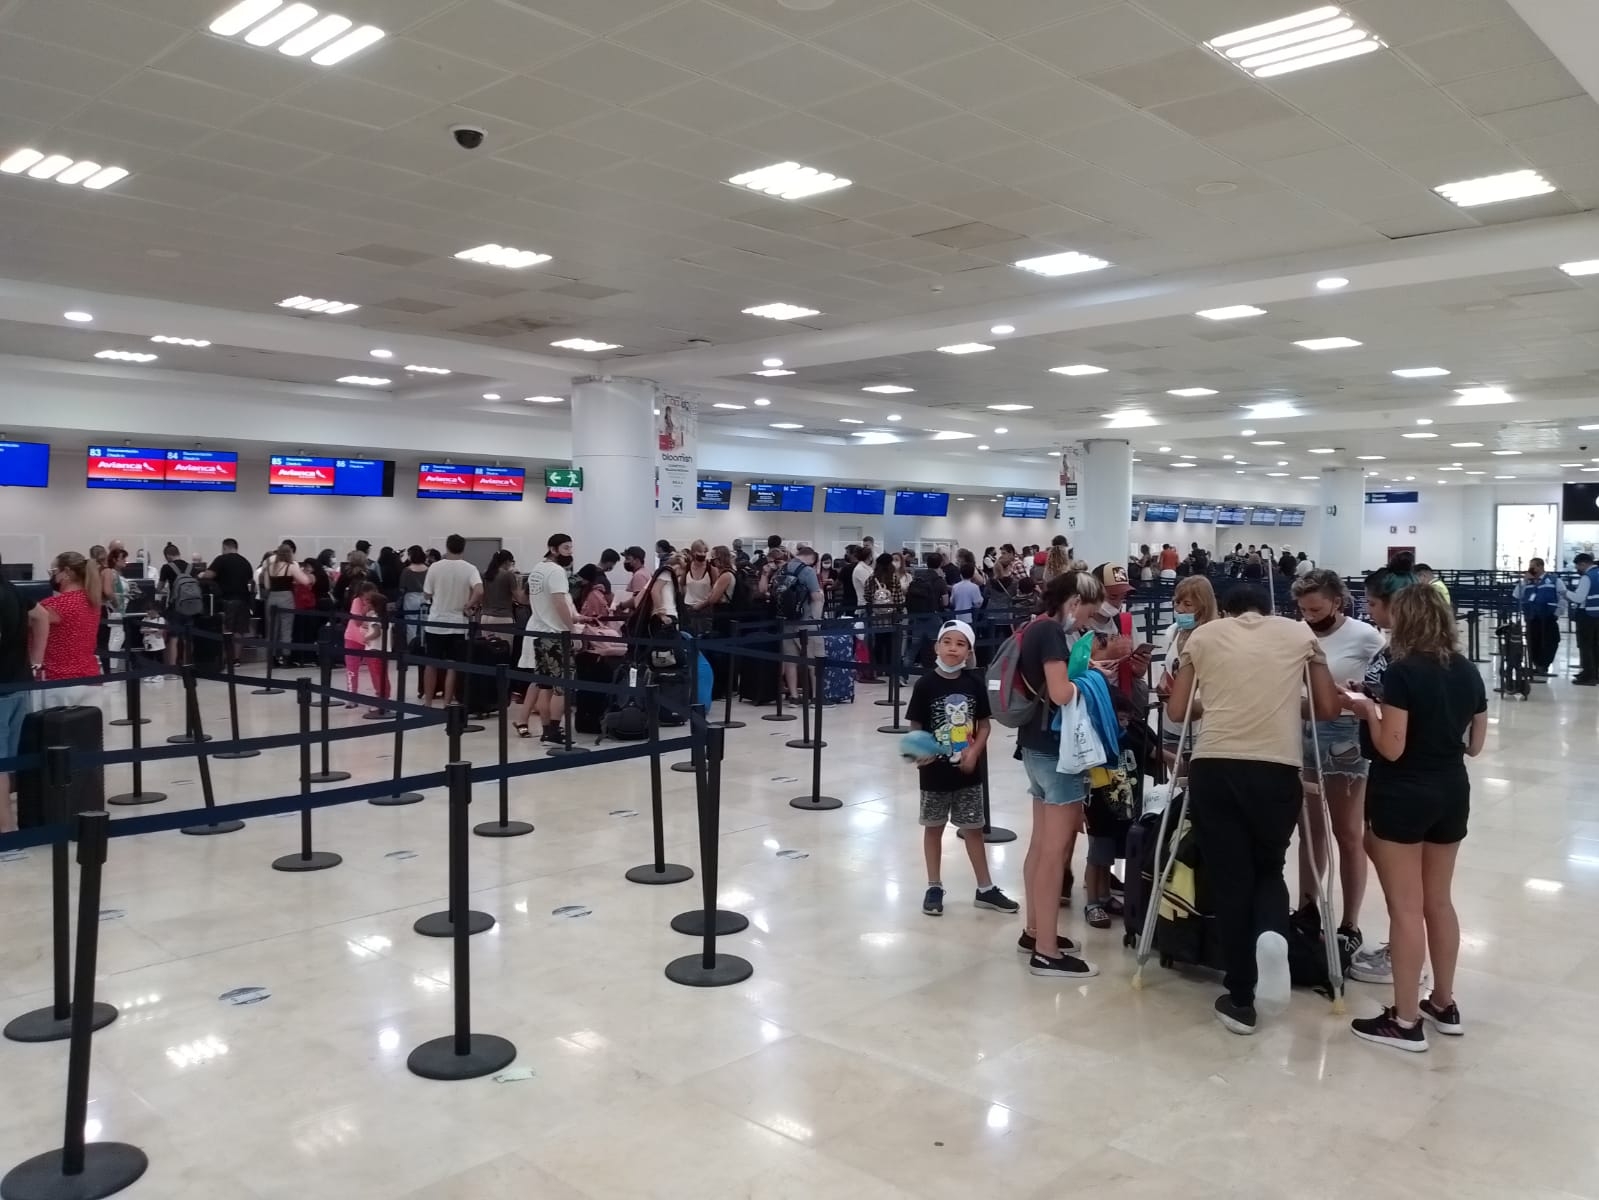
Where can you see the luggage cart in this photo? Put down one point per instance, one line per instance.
(1515, 668)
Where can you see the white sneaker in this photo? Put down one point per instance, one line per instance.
(1373, 965)
(1271, 964)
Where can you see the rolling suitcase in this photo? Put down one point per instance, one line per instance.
(78, 728)
(588, 708)
(481, 691)
(837, 670)
(760, 678)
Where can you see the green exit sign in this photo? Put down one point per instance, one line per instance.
(564, 477)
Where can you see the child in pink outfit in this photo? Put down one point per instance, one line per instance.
(364, 631)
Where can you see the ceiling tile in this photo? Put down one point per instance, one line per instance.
(949, 138)
(352, 99)
(984, 76)
(228, 64)
(639, 178)
(901, 38)
(709, 106)
(803, 22)
(627, 132)
(361, 176)
(793, 135)
(300, 128)
(228, 177)
(560, 155)
(532, 102)
(1216, 17)
(1018, 163)
(423, 69)
(918, 218)
(1280, 139)
(1332, 86)
(1180, 76)
(258, 154)
(1579, 145)
(882, 109)
(1416, 20)
(700, 37)
(1344, 166)
(114, 33)
(1537, 120)
(29, 61)
(1477, 51)
(595, 16)
(1008, 18)
(32, 102)
(1226, 112)
(612, 73)
(108, 121)
(1518, 87)
(487, 175)
(1056, 110)
(1099, 41)
(508, 36)
(408, 148)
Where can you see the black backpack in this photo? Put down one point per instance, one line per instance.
(1307, 952)
(921, 595)
(625, 719)
(790, 598)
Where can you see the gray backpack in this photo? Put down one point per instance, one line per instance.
(187, 597)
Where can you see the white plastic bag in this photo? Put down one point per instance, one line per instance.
(1080, 747)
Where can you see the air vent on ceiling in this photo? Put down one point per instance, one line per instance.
(406, 304)
(585, 291)
(503, 328)
(394, 256)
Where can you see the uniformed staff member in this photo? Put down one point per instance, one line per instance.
(1539, 597)
(1582, 597)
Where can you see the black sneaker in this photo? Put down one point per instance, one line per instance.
(1234, 1017)
(1027, 943)
(1349, 943)
(552, 733)
(933, 902)
(1385, 1030)
(1065, 966)
(995, 900)
(1445, 1020)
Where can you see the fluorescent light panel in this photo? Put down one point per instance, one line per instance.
(1079, 369)
(331, 308)
(1230, 312)
(888, 389)
(789, 181)
(771, 373)
(1421, 372)
(787, 425)
(62, 169)
(296, 30)
(1068, 262)
(729, 407)
(1010, 407)
(1588, 266)
(198, 343)
(587, 345)
(1328, 343)
(782, 312)
(1494, 189)
(421, 370)
(365, 380)
(509, 257)
(543, 399)
(1475, 397)
(1190, 392)
(965, 348)
(132, 356)
(1131, 419)
(1308, 39)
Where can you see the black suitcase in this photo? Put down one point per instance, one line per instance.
(78, 728)
(205, 645)
(588, 708)
(479, 691)
(674, 695)
(760, 678)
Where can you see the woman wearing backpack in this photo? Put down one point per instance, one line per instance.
(885, 598)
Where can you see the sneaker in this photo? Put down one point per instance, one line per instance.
(1445, 1020)
(1097, 915)
(1271, 964)
(1027, 943)
(1065, 966)
(1234, 1017)
(995, 900)
(1385, 1030)
(552, 733)
(1375, 965)
(1349, 943)
(933, 902)
(1114, 905)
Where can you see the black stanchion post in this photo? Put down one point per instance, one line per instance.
(778, 714)
(708, 968)
(816, 802)
(398, 797)
(307, 859)
(135, 720)
(191, 713)
(659, 871)
(810, 700)
(132, 691)
(693, 922)
(897, 726)
(693, 763)
(993, 834)
(442, 923)
(324, 652)
(504, 827)
(567, 696)
(269, 618)
(233, 705)
(80, 1170)
(896, 655)
(203, 762)
(731, 686)
(54, 1022)
(454, 727)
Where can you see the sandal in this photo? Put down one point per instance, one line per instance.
(522, 731)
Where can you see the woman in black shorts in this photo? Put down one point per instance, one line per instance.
(1433, 713)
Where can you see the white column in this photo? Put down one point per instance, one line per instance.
(1343, 515)
(1479, 524)
(613, 442)
(1107, 491)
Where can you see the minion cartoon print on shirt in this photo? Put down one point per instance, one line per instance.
(952, 724)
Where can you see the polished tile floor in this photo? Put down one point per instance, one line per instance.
(875, 1053)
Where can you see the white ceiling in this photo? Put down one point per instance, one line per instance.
(977, 132)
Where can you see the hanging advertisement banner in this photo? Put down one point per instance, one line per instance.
(1071, 482)
(677, 442)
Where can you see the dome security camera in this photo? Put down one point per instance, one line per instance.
(468, 137)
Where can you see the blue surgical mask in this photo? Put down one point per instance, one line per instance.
(948, 670)
(1187, 620)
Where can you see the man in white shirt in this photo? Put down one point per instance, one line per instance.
(862, 577)
(550, 614)
(452, 586)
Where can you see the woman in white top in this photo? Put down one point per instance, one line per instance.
(1194, 604)
(1350, 647)
(699, 578)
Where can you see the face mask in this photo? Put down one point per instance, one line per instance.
(564, 560)
(1107, 610)
(951, 669)
(1187, 620)
(1323, 625)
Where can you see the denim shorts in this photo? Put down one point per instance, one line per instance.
(1339, 743)
(1047, 784)
(13, 707)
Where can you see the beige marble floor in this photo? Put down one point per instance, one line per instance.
(875, 1053)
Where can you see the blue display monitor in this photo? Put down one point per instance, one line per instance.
(24, 464)
(127, 468)
(782, 497)
(1292, 517)
(715, 493)
(1138, 509)
(1160, 513)
(202, 471)
(1229, 514)
(1263, 516)
(867, 502)
(1027, 507)
(921, 504)
(1199, 514)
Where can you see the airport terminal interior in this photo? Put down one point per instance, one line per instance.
(1274, 302)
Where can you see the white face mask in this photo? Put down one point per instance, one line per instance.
(1108, 611)
(945, 668)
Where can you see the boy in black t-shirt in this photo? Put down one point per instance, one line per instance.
(951, 703)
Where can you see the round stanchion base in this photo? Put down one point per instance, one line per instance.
(267, 691)
(802, 744)
(471, 729)
(725, 970)
(108, 1168)
(320, 860)
(326, 776)
(129, 721)
(184, 739)
(779, 717)
(994, 834)
(439, 925)
(887, 703)
(396, 800)
(893, 729)
(724, 725)
(495, 829)
(212, 829)
(686, 767)
(816, 803)
(231, 754)
(563, 751)
(41, 1025)
(692, 922)
(130, 799)
(669, 873)
(485, 1055)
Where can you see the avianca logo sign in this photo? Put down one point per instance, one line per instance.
(208, 470)
(134, 466)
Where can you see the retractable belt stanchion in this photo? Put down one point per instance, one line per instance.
(80, 1170)
(708, 968)
(474, 631)
(233, 705)
(399, 797)
(324, 653)
(731, 686)
(694, 923)
(815, 801)
(810, 701)
(896, 654)
(135, 720)
(568, 695)
(658, 871)
(270, 619)
(132, 691)
(463, 1054)
(897, 726)
(203, 762)
(692, 762)
(307, 859)
(192, 732)
(504, 827)
(443, 924)
(991, 833)
(53, 1023)
(778, 714)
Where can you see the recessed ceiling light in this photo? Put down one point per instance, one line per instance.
(1504, 476)
(587, 345)
(1001, 330)
(78, 316)
(1164, 450)
(1308, 39)
(1228, 457)
(786, 425)
(1247, 433)
(1181, 466)
(1010, 407)
(1332, 283)
(132, 356)
(1190, 456)
(62, 169)
(850, 421)
(1590, 469)
(491, 395)
(166, 340)
(1454, 468)
(381, 353)
(789, 181)
(1476, 472)
(1230, 312)
(297, 29)
(1001, 429)
(771, 362)
(771, 374)
(888, 389)
(1056, 454)
(1493, 189)
(1282, 462)
(1371, 457)
(365, 380)
(1587, 428)
(730, 407)
(419, 369)
(1267, 443)
(1419, 436)
(1189, 393)
(543, 399)
(1323, 450)
(1131, 419)
(1410, 479)
(1310, 477)
(965, 348)
(781, 312)
(1421, 372)
(1237, 472)
(1423, 420)
(982, 447)
(761, 402)
(1328, 343)
(1272, 410)
(1276, 474)
(509, 257)
(1069, 262)
(331, 308)
(1562, 465)
(1588, 266)
(1466, 445)
(893, 417)
(1079, 369)
(1505, 453)
(1476, 397)
(242, 15)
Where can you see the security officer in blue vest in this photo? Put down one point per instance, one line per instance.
(1539, 597)
(1582, 597)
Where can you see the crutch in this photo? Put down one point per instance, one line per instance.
(1335, 966)
(1165, 863)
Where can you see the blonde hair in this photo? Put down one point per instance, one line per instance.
(1423, 624)
(1056, 562)
(77, 566)
(1197, 590)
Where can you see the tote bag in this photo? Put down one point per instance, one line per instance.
(1080, 747)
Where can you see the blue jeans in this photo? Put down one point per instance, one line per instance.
(1046, 783)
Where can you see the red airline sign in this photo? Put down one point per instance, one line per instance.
(217, 473)
(289, 475)
(142, 470)
(500, 485)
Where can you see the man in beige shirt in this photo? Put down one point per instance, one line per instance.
(1250, 673)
